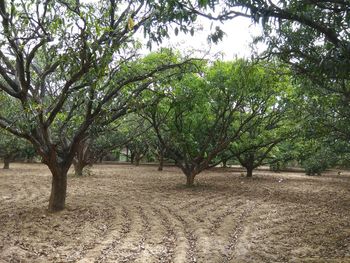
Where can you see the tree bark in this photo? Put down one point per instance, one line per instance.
(6, 163)
(249, 171)
(224, 163)
(78, 168)
(190, 179)
(132, 157)
(137, 158)
(161, 162)
(82, 157)
(57, 199)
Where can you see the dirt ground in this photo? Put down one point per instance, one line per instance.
(123, 213)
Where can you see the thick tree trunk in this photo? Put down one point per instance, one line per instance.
(7, 163)
(249, 171)
(58, 189)
(190, 179)
(224, 163)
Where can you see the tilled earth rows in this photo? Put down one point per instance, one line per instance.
(137, 214)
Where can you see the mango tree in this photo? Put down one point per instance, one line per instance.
(10, 147)
(277, 121)
(95, 147)
(138, 136)
(312, 36)
(67, 65)
(142, 139)
(101, 142)
(202, 113)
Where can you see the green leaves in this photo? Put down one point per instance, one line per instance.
(227, 103)
(216, 36)
(266, 96)
(131, 24)
(12, 146)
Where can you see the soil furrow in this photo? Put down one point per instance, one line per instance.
(116, 233)
(236, 232)
(169, 240)
(123, 213)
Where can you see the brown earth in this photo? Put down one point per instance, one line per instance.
(122, 213)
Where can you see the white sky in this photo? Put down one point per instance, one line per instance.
(239, 34)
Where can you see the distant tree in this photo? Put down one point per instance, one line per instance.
(312, 36)
(201, 114)
(278, 119)
(29, 153)
(258, 153)
(139, 136)
(312, 151)
(316, 156)
(286, 153)
(327, 120)
(159, 151)
(95, 147)
(10, 147)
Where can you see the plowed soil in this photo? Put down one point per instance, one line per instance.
(123, 213)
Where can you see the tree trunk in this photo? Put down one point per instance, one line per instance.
(132, 157)
(127, 154)
(6, 163)
(30, 160)
(190, 179)
(138, 157)
(58, 189)
(224, 163)
(249, 171)
(78, 168)
(82, 157)
(161, 162)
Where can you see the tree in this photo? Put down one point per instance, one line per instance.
(139, 136)
(158, 150)
(10, 147)
(277, 120)
(257, 149)
(325, 141)
(101, 142)
(312, 36)
(316, 157)
(202, 113)
(66, 65)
